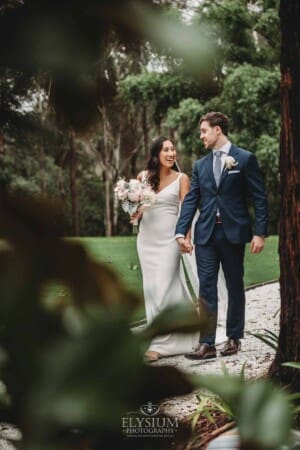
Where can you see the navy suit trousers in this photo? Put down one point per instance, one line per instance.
(209, 256)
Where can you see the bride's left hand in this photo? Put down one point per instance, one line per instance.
(136, 216)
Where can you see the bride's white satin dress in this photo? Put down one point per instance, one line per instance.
(163, 278)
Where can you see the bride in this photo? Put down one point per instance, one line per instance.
(163, 281)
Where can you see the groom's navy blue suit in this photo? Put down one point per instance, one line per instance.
(224, 242)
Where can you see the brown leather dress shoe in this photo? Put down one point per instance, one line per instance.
(231, 347)
(205, 351)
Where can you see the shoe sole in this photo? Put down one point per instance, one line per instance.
(229, 354)
(191, 358)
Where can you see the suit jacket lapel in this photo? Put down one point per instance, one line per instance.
(233, 151)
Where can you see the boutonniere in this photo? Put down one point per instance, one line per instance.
(230, 162)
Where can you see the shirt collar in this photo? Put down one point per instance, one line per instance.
(225, 148)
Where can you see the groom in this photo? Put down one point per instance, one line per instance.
(221, 184)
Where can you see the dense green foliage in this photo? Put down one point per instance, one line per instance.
(142, 90)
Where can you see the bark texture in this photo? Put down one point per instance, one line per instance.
(289, 229)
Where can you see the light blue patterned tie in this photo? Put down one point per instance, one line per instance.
(217, 166)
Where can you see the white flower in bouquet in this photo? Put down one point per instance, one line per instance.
(134, 196)
(134, 184)
(148, 196)
(121, 189)
(230, 162)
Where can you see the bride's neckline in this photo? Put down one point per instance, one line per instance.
(167, 185)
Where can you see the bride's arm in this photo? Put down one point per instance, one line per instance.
(184, 189)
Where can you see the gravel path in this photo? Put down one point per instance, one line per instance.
(262, 312)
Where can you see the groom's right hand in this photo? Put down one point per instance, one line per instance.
(184, 245)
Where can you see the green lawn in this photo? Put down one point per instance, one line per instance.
(120, 254)
(264, 266)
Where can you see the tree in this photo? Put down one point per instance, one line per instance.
(184, 121)
(76, 59)
(289, 232)
(230, 24)
(165, 92)
(159, 91)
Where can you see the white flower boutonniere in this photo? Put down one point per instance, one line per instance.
(230, 162)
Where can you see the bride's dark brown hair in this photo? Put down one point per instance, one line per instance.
(153, 162)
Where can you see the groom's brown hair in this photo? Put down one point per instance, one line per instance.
(216, 119)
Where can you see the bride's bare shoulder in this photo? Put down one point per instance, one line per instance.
(184, 178)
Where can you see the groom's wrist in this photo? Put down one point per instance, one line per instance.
(179, 235)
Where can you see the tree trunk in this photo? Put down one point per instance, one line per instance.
(108, 222)
(73, 186)
(61, 180)
(42, 160)
(289, 228)
(1, 144)
(107, 164)
(115, 202)
(145, 132)
(42, 109)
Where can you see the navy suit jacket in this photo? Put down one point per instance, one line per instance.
(231, 197)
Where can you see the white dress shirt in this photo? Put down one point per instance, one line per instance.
(225, 149)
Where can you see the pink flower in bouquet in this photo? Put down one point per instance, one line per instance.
(121, 190)
(122, 195)
(122, 185)
(135, 190)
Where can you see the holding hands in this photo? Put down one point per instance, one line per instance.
(185, 245)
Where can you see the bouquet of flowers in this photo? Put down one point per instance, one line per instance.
(134, 195)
